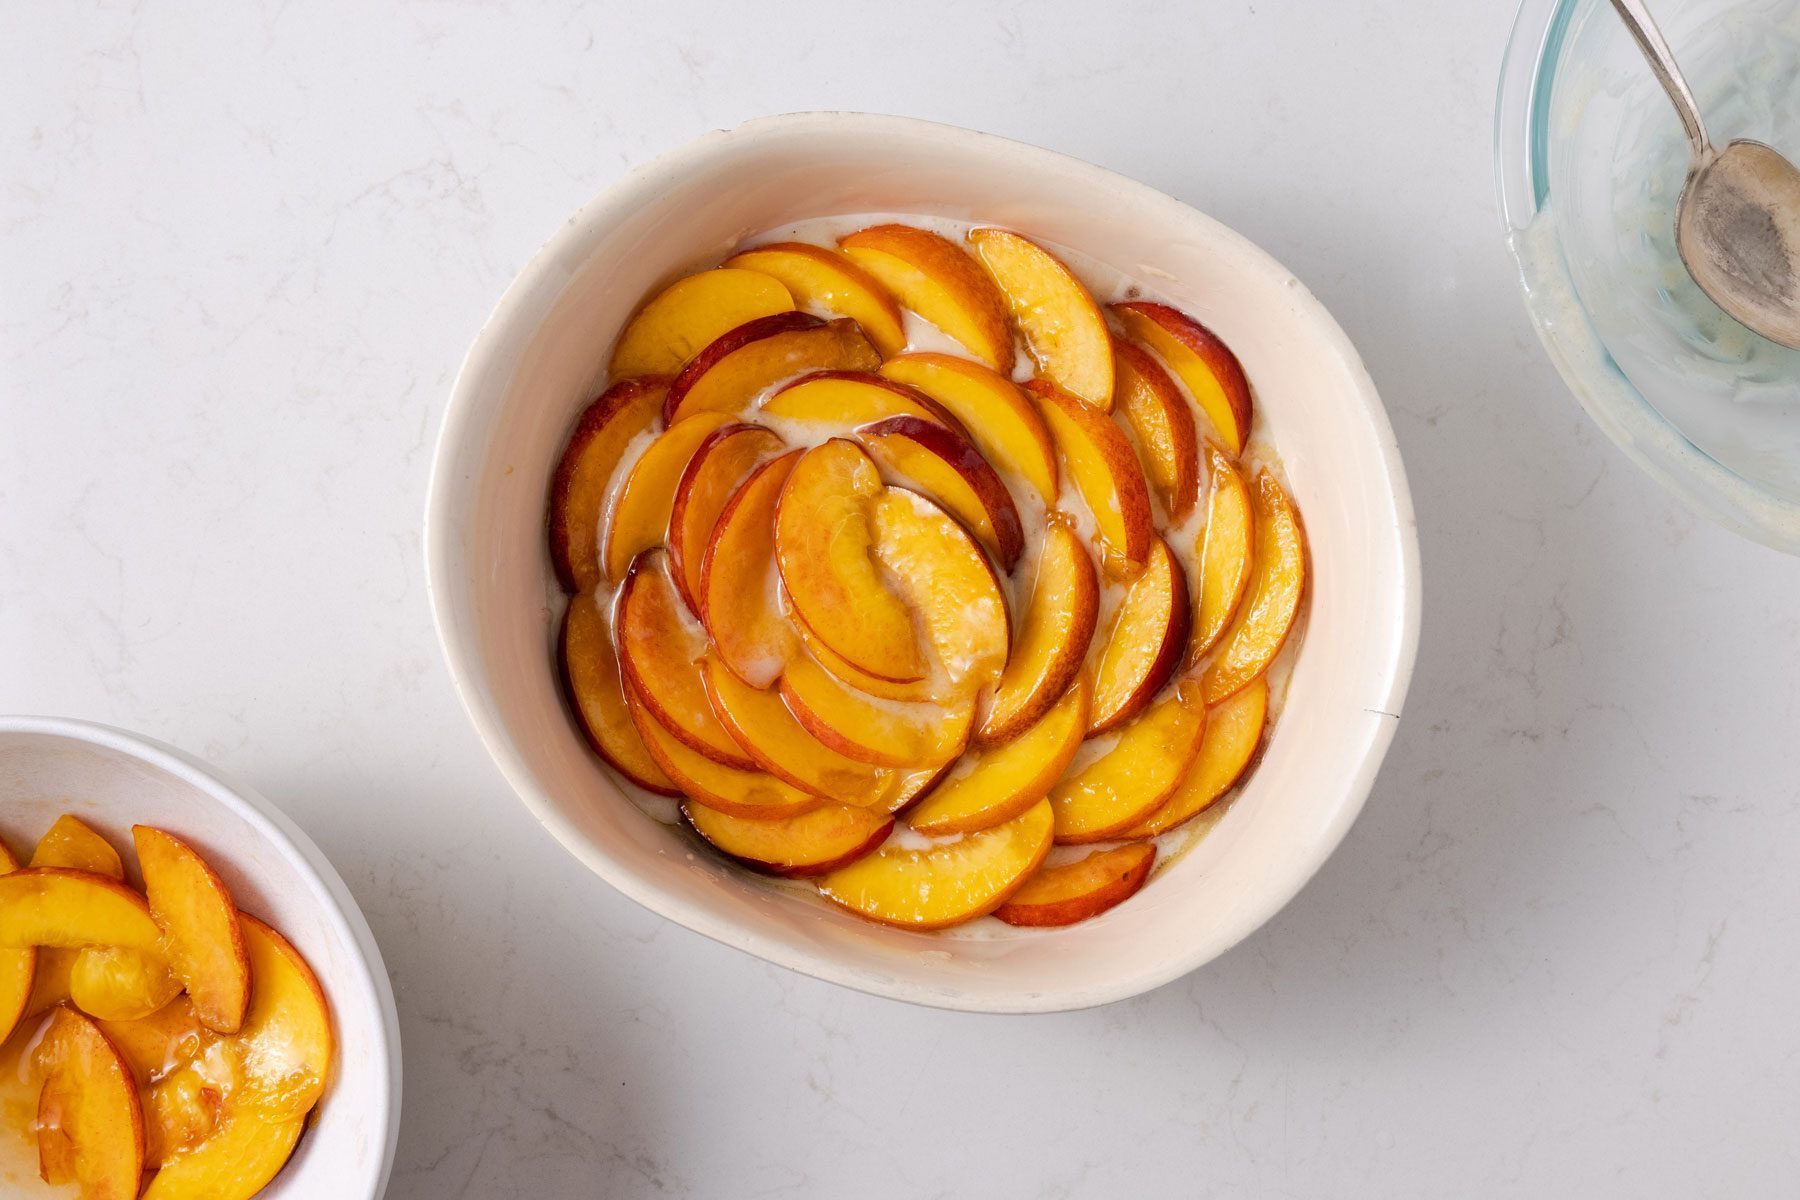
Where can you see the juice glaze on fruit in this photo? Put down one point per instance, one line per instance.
(1108, 285)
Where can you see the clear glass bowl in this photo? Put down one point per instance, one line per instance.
(1590, 160)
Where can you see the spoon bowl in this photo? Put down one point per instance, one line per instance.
(1737, 229)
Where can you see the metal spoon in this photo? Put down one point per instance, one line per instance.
(1737, 224)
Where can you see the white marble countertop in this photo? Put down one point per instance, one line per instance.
(241, 254)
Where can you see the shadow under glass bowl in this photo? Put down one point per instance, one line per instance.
(1590, 161)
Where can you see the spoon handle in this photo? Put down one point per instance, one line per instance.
(1662, 63)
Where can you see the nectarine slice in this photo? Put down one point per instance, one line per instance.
(1063, 327)
(244, 1153)
(70, 842)
(690, 314)
(739, 587)
(733, 372)
(200, 927)
(934, 277)
(1053, 641)
(111, 983)
(90, 1123)
(1201, 361)
(945, 578)
(1233, 732)
(824, 548)
(795, 847)
(1105, 471)
(1149, 633)
(946, 466)
(1136, 774)
(851, 398)
(992, 410)
(870, 729)
(18, 967)
(1226, 554)
(995, 785)
(825, 279)
(770, 734)
(579, 490)
(286, 1039)
(1160, 419)
(721, 464)
(749, 794)
(660, 650)
(640, 511)
(947, 883)
(1268, 610)
(591, 674)
(1074, 891)
(56, 906)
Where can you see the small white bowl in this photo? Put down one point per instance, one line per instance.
(541, 356)
(113, 780)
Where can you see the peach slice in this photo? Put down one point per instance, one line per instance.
(18, 967)
(820, 278)
(1233, 732)
(640, 512)
(200, 927)
(748, 794)
(1074, 891)
(1148, 634)
(992, 410)
(590, 672)
(578, 491)
(769, 733)
(997, 785)
(944, 577)
(869, 729)
(947, 467)
(947, 883)
(660, 652)
(1226, 555)
(1273, 599)
(110, 983)
(737, 368)
(793, 847)
(243, 1154)
(56, 906)
(934, 277)
(690, 314)
(181, 1074)
(1053, 642)
(1200, 360)
(851, 398)
(913, 692)
(90, 1122)
(824, 549)
(1131, 779)
(1063, 327)
(70, 842)
(286, 1039)
(739, 589)
(1106, 472)
(722, 463)
(1159, 418)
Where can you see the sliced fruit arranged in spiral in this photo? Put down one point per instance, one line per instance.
(794, 595)
(1063, 327)
(1211, 372)
(820, 278)
(690, 314)
(935, 278)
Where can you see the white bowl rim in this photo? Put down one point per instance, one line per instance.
(331, 896)
(643, 184)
